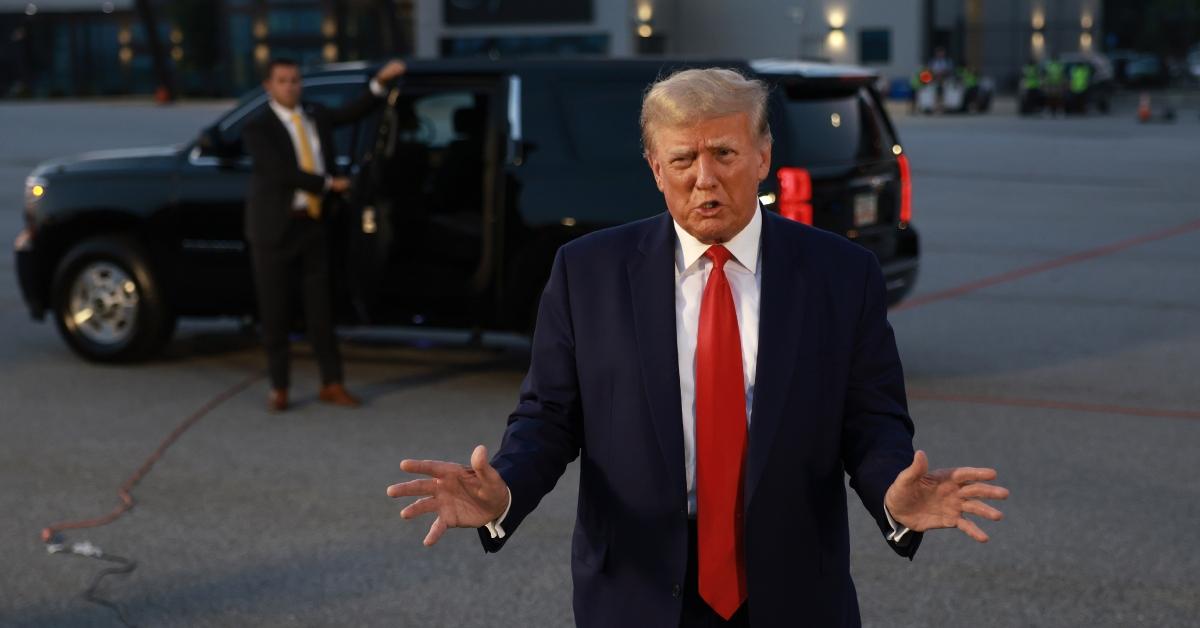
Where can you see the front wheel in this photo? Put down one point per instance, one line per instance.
(107, 304)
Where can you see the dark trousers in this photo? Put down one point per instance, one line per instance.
(696, 612)
(301, 259)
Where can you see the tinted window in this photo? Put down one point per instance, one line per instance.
(330, 95)
(333, 96)
(584, 159)
(248, 107)
(602, 121)
(436, 118)
(542, 122)
(833, 128)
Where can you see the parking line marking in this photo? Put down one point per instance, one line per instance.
(1050, 404)
(1041, 267)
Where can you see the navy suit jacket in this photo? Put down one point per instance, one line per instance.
(603, 386)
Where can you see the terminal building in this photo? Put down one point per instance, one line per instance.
(218, 47)
(895, 37)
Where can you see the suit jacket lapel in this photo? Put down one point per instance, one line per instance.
(780, 321)
(281, 135)
(652, 286)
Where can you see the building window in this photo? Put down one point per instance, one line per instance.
(875, 45)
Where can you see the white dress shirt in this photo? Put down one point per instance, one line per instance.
(692, 268)
(308, 127)
(744, 273)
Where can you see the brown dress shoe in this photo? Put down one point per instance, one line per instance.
(337, 395)
(277, 400)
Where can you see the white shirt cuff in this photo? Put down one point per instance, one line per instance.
(494, 528)
(898, 531)
(377, 88)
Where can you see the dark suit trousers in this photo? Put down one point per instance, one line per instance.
(301, 259)
(696, 612)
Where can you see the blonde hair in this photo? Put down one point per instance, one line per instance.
(689, 96)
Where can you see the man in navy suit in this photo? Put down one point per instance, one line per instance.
(716, 369)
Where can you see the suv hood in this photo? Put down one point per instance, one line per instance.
(140, 159)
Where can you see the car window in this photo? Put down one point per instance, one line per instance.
(248, 107)
(330, 95)
(333, 96)
(543, 124)
(432, 155)
(583, 160)
(835, 127)
(435, 116)
(879, 118)
(602, 121)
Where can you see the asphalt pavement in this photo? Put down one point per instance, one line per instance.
(1054, 335)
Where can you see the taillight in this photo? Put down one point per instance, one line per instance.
(905, 189)
(795, 195)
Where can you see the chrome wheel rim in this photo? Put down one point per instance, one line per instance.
(103, 304)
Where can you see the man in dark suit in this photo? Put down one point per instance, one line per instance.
(294, 176)
(717, 369)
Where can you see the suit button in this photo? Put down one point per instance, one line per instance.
(675, 591)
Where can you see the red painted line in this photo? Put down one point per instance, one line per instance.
(1019, 273)
(1050, 404)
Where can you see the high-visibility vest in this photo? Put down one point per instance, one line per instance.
(1054, 74)
(968, 78)
(1032, 80)
(1081, 75)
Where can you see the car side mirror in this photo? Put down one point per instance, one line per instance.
(213, 144)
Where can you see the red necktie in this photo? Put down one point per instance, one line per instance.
(720, 444)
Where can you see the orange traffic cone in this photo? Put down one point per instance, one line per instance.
(162, 95)
(1143, 111)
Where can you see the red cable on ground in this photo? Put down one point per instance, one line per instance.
(1019, 273)
(125, 492)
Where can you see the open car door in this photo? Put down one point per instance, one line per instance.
(422, 234)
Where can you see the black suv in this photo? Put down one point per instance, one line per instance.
(467, 181)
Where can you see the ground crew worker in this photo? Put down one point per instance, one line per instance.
(1031, 88)
(1054, 86)
(940, 65)
(970, 83)
(1081, 78)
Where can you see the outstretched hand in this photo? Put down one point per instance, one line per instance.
(922, 500)
(391, 70)
(461, 496)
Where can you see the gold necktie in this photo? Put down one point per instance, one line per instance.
(307, 164)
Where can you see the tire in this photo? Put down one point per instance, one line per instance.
(111, 274)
